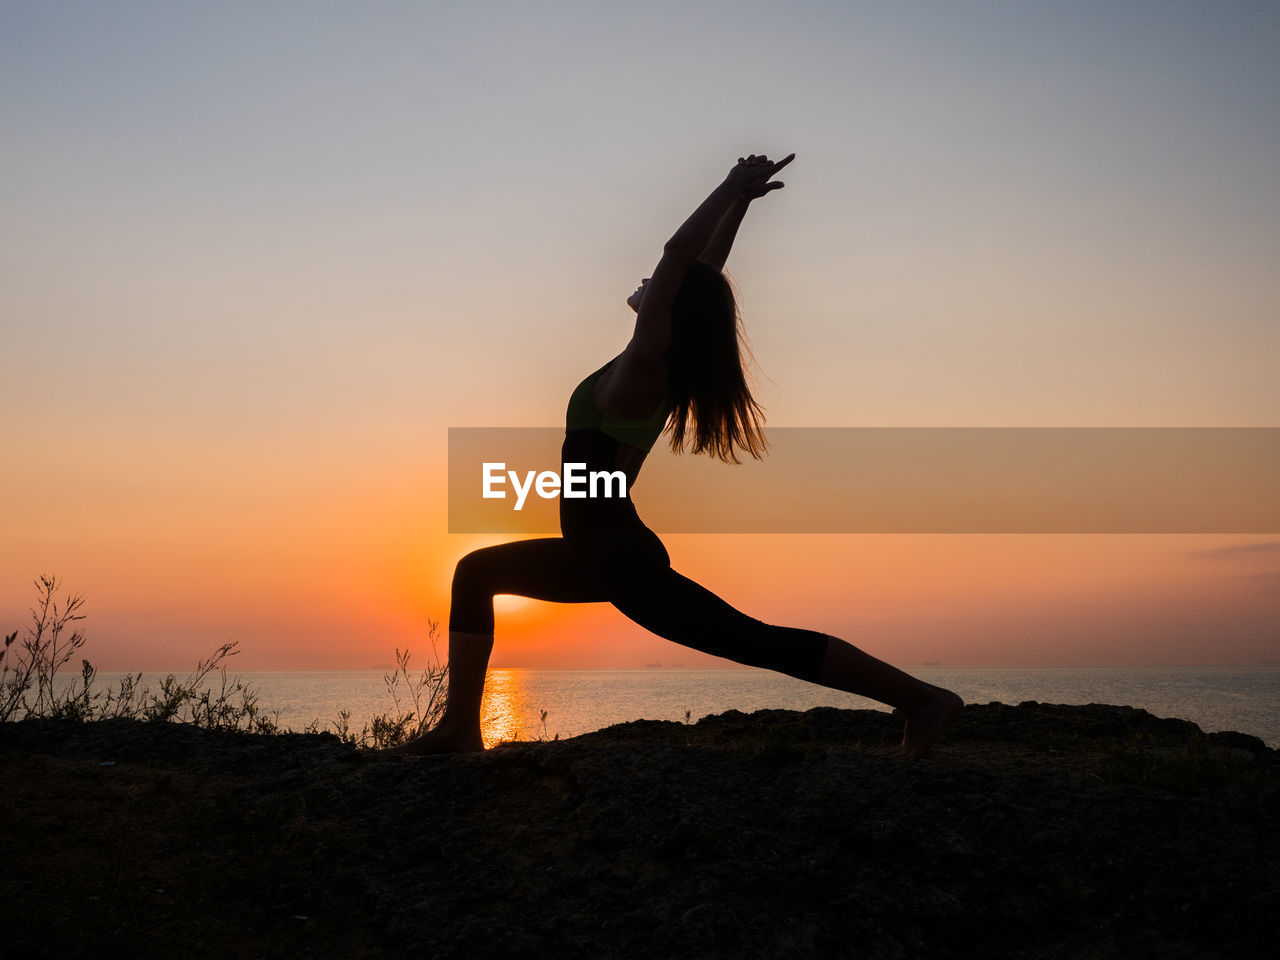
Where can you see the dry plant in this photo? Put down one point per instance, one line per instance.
(207, 697)
(418, 701)
(29, 686)
(28, 670)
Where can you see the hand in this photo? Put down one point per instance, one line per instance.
(752, 174)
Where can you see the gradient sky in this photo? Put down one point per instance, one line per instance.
(256, 258)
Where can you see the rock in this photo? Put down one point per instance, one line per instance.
(1040, 830)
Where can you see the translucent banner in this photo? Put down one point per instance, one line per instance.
(896, 480)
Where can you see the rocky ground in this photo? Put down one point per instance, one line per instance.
(1034, 831)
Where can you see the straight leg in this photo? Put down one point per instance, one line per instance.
(677, 608)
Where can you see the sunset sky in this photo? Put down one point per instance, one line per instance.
(257, 258)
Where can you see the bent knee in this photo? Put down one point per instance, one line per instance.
(471, 569)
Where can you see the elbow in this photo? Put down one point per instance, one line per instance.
(679, 249)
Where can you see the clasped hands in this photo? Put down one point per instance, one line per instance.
(752, 174)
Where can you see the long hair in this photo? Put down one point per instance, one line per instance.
(712, 409)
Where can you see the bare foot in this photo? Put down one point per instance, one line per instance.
(443, 739)
(926, 723)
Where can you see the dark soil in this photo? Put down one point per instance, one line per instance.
(1035, 831)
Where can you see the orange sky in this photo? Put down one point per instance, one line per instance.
(339, 575)
(260, 263)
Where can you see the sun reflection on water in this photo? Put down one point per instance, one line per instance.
(505, 708)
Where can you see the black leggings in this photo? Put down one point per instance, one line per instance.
(608, 554)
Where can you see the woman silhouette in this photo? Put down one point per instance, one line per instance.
(682, 372)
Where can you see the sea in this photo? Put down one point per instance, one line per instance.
(522, 704)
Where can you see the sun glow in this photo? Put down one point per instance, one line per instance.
(505, 702)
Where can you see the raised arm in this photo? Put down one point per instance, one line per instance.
(716, 252)
(706, 235)
(717, 249)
